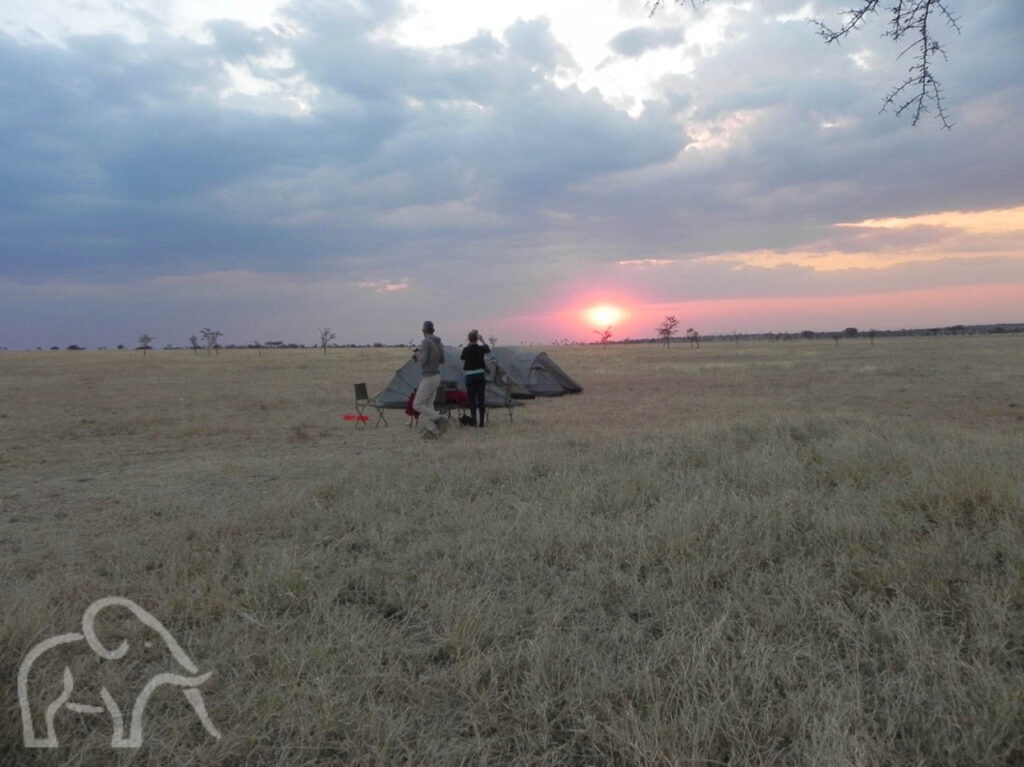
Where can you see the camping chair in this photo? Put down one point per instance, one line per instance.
(446, 400)
(502, 381)
(363, 402)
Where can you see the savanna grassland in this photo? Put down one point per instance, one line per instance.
(770, 553)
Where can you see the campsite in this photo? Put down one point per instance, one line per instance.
(797, 552)
(516, 375)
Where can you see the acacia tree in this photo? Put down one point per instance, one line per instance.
(667, 329)
(604, 335)
(326, 336)
(210, 338)
(194, 341)
(144, 343)
(694, 338)
(910, 25)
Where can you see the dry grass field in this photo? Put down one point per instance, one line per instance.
(788, 553)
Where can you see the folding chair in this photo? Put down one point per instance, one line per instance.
(502, 381)
(443, 403)
(363, 402)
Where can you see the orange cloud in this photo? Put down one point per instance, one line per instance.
(826, 261)
(974, 222)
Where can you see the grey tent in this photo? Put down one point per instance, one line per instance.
(403, 384)
(519, 373)
(535, 372)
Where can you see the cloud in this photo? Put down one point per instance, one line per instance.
(492, 171)
(975, 222)
(647, 262)
(151, 166)
(533, 42)
(635, 42)
(385, 286)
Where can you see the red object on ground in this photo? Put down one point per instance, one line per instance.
(354, 417)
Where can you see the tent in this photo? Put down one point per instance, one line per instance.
(402, 385)
(523, 374)
(535, 372)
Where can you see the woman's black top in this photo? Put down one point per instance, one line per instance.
(473, 358)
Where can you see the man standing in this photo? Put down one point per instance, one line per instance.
(431, 356)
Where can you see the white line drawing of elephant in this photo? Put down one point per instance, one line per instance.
(189, 684)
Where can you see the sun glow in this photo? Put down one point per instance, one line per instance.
(603, 315)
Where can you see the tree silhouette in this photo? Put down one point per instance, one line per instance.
(667, 329)
(326, 336)
(210, 338)
(604, 335)
(144, 343)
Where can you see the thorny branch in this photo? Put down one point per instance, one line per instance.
(920, 93)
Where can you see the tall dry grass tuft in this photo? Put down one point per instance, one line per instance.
(671, 573)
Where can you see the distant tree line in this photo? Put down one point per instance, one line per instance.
(665, 332)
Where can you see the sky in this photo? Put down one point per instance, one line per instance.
(268, 169)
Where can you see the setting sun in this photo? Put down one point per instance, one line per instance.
(604, 315)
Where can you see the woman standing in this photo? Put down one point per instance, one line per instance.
(476, 375)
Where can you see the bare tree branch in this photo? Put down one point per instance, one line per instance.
(920, 94)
